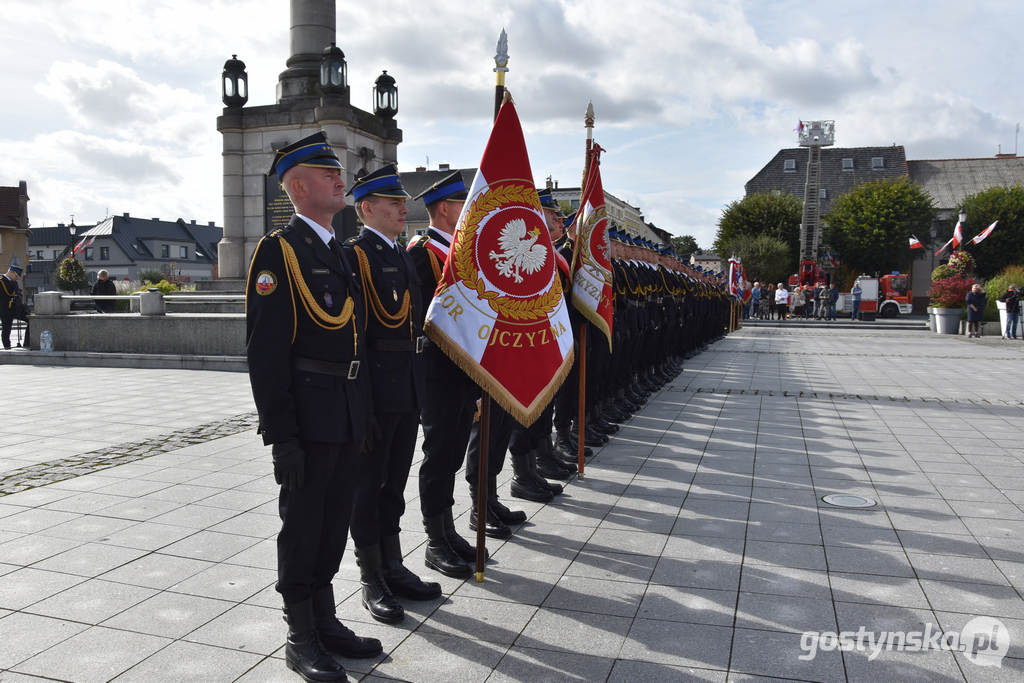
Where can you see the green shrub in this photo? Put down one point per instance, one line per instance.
(164, 286)
(942, 272)
(151, 276)
(71, 275)
(996, 287)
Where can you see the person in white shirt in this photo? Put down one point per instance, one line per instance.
(781, 300)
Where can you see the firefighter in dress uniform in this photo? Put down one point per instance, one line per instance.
(394, 348)
(304, 345)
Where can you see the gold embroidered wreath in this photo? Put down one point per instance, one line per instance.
(466, 271)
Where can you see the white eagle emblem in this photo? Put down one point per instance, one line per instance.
(519, 250)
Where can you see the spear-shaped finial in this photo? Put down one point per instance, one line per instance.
(501, 55)
(588, 118)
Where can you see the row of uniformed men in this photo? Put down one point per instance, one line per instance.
(342, 377)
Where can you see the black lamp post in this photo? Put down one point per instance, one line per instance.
(963, 223)
(385, 97)
(234, 83)
(72, 230)
(333, 71)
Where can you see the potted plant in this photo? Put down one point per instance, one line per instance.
(947, 299)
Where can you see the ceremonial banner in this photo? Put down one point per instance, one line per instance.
(592, 268)
(735, 276)
(498, 311)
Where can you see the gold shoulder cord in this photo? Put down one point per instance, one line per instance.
(434, 265)
(317, 314)
(388, 320)
(6, 291)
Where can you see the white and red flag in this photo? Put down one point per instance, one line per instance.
(592, 293)
(499, 312)
(915, 243)
(943, 247)
(958, 235)
(77, 247)
(984, 233)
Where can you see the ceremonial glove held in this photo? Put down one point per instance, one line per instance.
(289, 464)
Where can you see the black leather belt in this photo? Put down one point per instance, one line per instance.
(348, 370)
(415, 345)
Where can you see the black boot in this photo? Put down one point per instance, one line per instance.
(549, 467)
(377, 598)
(401, 581)
(303, 653)
(524, 481)
(493, 526)
(461, 546)
(440, 555)
(567, 443)
(335, 637)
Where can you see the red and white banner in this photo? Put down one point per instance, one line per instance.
(499, 312)
(735, 276)
(958, 235)
(592, 293)
(915, 243)
(984, 233)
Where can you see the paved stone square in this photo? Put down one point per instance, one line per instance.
(138, 516)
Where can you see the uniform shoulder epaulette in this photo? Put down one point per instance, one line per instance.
(419, 240)
(276, 232)
(351, 240)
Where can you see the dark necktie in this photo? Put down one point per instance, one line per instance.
(336, 248)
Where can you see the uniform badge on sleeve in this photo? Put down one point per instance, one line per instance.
(328, 299)
(266, 283)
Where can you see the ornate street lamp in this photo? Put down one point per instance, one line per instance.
(333, 71)
(385, 96)
(234, 83)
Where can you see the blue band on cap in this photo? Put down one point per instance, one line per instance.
(369, 187)
(445, 191)
(294, 158)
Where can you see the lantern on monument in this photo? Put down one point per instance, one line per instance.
(333, 71)
(385, 96)
(234, 83)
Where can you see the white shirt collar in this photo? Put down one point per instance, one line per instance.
(324, 234)
(441, 233)
(379, 234)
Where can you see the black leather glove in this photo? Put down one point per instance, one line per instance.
(289, 464)
(373, 435)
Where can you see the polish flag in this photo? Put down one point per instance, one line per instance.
(499, 311)
(915, 243)
(78, 246)
(984, 233)
(943, 247)
(958, 235)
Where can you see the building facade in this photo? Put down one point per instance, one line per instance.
(14, 225)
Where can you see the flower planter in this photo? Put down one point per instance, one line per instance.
(931, 318)
(947, 320)
(1001, 305)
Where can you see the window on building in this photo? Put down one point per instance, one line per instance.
(165, 251)
(183, 252)
(877, 163)
(847, 164)
(823, 193)
(56, 253)
(104, 253)
(39, 254)
(789, 166)
(89, 251)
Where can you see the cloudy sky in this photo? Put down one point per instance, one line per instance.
(111, 107)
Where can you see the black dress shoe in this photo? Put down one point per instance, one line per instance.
(304, 655)
(379, 601)
(493, 526)
(405, 584)
(510, 517)
(339, 640)
(462, 547)
(440, 556)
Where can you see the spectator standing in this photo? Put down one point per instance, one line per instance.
(820, 296)
(104, 287)
(796, 302)
(781, 300)
(975, 310)
(833, 301)
(755, 300)
(856, 293)
(1012, 299)
(808, 301)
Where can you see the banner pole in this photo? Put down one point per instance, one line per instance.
(581, 418)
(500, 68)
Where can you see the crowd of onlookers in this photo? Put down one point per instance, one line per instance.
(778, 302)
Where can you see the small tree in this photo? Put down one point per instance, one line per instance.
(1005, 246)
(685, 245)
(71, 275)
(764, 257)
(775, 214)
(871, 224)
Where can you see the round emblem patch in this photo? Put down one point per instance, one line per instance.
(266, 283)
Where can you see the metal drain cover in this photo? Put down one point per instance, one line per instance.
(844, 500)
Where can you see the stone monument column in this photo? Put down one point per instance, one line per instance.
(312, 29)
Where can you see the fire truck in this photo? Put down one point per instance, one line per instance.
(887, 296)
